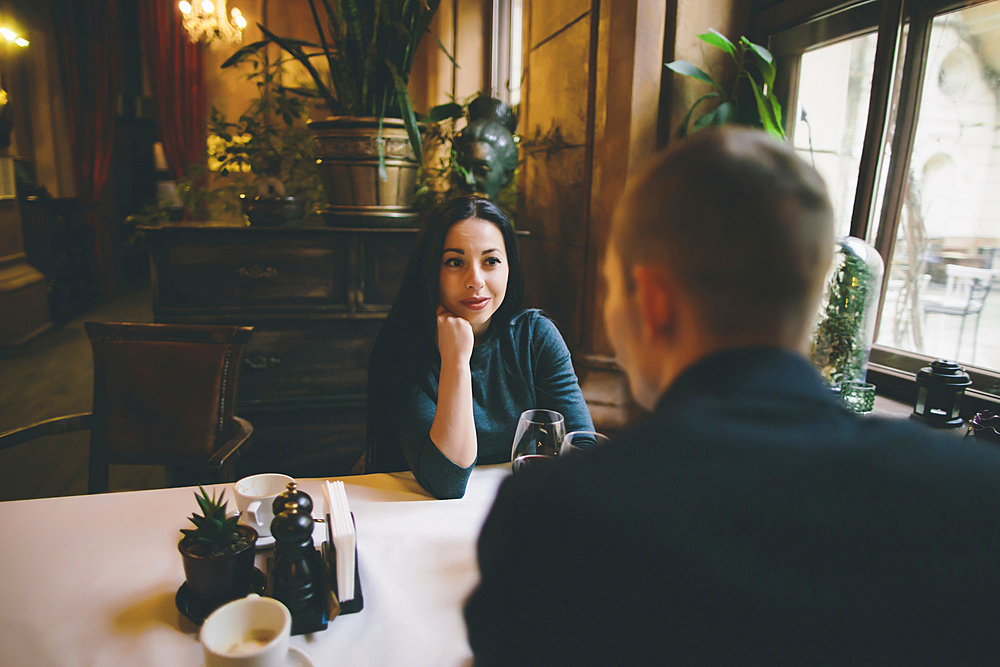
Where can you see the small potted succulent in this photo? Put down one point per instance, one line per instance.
(218, 552)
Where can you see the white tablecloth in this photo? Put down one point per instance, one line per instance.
(90, 580)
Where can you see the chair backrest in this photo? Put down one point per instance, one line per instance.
(163, 390)
(967, 287)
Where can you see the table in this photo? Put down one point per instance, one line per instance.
(90, 580)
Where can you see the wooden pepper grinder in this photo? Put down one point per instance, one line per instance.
(293, 576)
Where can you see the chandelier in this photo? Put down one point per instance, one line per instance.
(206, 21)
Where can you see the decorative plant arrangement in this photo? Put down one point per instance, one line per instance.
(749, 100)
(266, 150)
(214, 533)
(268, 143)
(843, 338)
(218, 555)
(368, 47)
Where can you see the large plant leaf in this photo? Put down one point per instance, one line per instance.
(687, 69)
(759, 50)
(354, 27)
(687, 117)
(764, 62)
(245, 52)
(299, 90)
(322, 34)
(764, 108)
(717, 116)
(441, 112)
(294, 48)
(406, 110)
(444, 50)
(719, 41)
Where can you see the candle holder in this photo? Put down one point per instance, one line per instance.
(939, 397)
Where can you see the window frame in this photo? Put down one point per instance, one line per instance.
(792, 27)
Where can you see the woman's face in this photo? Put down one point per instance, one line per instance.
(474, 272)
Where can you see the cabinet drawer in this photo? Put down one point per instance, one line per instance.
(307, 363)
(289, 273)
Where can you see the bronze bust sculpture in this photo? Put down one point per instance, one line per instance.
(486, 148)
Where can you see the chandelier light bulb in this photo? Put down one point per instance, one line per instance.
(22, 42)
(206, 21)
(8, 34)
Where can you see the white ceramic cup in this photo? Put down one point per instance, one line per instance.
(250, 632)
(254, 497)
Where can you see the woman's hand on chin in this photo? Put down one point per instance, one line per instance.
(455, 338)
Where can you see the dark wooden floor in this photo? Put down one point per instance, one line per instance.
(52, 375)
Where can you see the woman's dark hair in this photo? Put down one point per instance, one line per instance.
(407, 343)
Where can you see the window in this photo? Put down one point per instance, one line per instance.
(897, 104)
(508, 21)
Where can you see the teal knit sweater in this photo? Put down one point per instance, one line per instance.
(523, 367)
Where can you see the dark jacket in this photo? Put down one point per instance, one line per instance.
(749, 520)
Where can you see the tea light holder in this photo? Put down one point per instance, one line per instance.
(939, 396)
(858, 397)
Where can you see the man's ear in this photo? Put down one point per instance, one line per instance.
(656, 300)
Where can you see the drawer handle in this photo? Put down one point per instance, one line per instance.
(259, 362)
(257, 272)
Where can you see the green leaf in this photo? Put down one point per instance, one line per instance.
(719, 41)
(441, 112)
(444, 50)
(776, 110)
(687, 117)
(767, 120)
(705, 120)
(764, 64)
(687, 69)
(406, 109)
(759, 50)
(245, 52)
(724, 113)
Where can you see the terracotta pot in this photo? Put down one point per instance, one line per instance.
(227, 575)
(348, 163)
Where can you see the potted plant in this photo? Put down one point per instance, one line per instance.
(749, 100)
(218, 552)
(369, 150)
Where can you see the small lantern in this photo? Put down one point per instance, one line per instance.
(939, 397)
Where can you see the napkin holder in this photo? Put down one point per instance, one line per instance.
(330, 557)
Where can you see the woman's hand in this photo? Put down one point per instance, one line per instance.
(454, 337)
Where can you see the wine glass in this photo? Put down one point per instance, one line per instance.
(579, 440)
(538, 437)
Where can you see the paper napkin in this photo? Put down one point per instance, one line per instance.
(344, 537)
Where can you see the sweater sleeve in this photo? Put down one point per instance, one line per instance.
(434, 471)
(556, 386)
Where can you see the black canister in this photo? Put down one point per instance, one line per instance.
(939, 395)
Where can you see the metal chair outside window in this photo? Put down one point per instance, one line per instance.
(965, 295)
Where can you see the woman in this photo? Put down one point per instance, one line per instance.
(457, 360)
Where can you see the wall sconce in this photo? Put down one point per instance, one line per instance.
(939, 396)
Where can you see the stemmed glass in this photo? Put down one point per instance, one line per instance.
(538, 437)
(579, 440)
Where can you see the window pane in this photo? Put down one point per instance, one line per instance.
(943, 296)
(834, 89)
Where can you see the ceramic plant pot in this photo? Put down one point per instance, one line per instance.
(229, 575)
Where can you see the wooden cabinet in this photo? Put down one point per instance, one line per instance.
(316, 297)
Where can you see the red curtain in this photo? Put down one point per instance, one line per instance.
(87, 40)
(176, 73)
